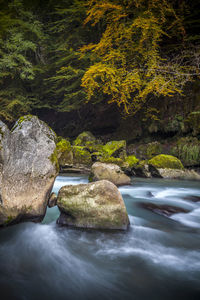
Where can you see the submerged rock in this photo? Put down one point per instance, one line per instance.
(97, 205)
(52, 200)
(110, 172)
(29, 168)
(164, 210)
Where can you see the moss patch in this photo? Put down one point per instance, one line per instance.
(83, 138)
(166, 161)
(81, 156)
(116, 149)
(131, 160)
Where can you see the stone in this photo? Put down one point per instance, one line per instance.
(83, 139)
(166, 161)
(52, 200)
(164, 210)
(174, 174)
(64, 152)
(81, 157)
(29, 168)
(116, 149)
(97, 205)
(110, 172)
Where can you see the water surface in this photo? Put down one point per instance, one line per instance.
(158, 258)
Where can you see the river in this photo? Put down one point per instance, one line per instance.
(157, 259)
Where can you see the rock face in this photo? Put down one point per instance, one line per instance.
(110, 172)
(163, 161)
(52, 200)
(29, 168)
(97, 205)
(175, 174)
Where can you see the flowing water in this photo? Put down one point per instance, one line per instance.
(158, 258)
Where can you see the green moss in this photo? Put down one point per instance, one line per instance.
(81, 156)
(63, 145)
(54, 159)
(112, 160)
(83, 138)
(116, 149)
(188, 151)
(131, 160)
(166, 161)
(9, 220)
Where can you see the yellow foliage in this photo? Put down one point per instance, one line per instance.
(128, 64)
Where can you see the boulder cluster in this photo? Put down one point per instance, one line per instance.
(31, 156)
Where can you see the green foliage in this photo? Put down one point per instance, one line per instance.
(62, 84)
(133, 51)
(21, 37)
(188, 151)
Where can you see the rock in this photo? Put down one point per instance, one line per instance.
(192, 198)
(148, 151)
(164, 210)
(78, 170)
(111, 172)
(83, 138)
(97, 205)
(64, 152)
(81, 157)
(163, 161)
(52, 200)
(29, 169)
(141, 169)
(174, 174)
(116, 149)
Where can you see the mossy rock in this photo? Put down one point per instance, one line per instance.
(163, 161)
(112, 160)
(148, 151)
(193, 123)
(116, 149)
(81, 156)
(187, 149)
(84, 138)
(64, 151)
(94, 147)
(131, 160)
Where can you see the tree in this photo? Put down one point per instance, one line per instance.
(129, 61)
(21, 37)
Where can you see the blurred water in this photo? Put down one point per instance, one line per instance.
(158, 258)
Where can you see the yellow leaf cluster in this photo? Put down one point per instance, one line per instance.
(130, 66)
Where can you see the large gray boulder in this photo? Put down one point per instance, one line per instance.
(111, 172)
(97, 205)
(29, 168)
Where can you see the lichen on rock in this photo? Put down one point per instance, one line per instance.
(97, 205)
